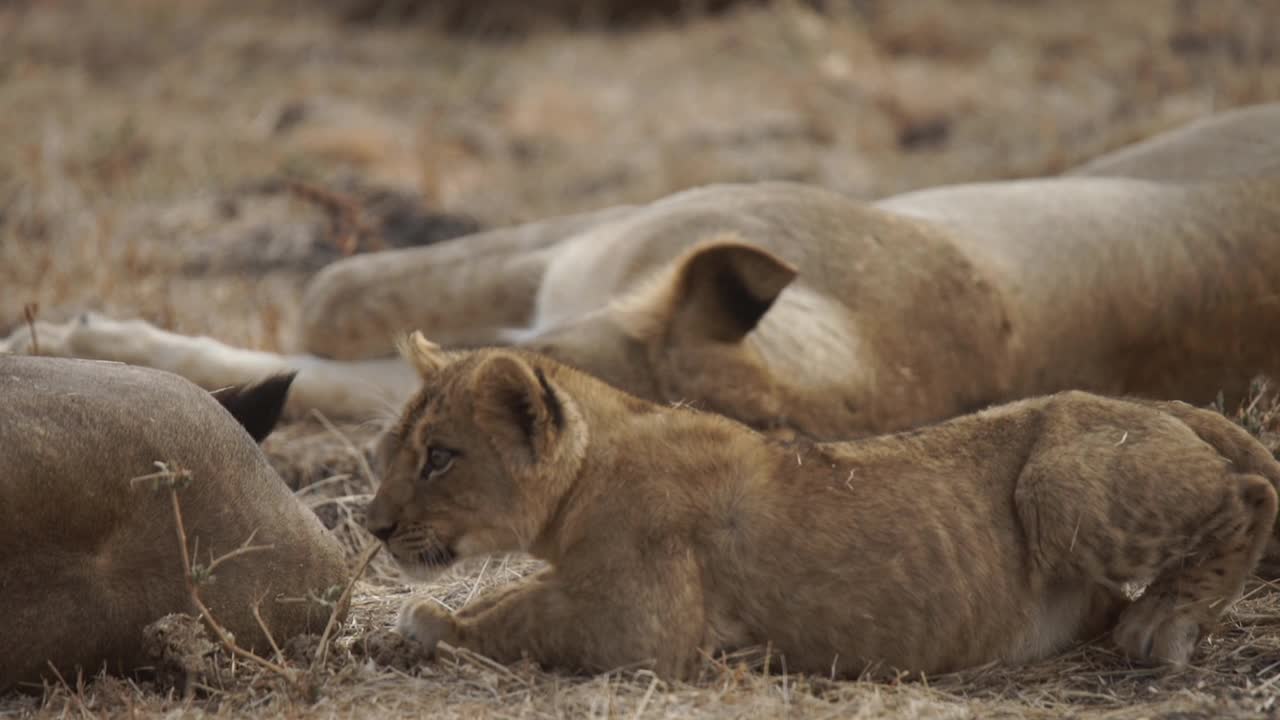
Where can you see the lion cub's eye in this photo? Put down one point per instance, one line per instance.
(439, 459)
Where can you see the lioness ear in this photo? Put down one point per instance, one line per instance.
(721, 290)
(425, 356)
(516, 404)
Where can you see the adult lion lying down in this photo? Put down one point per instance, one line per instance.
(88, 557)
(1003, 535)
(788, 306)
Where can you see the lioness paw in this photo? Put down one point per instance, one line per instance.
(1151, 630)
(426, 623)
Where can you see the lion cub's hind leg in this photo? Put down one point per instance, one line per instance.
(1188, 596)
(1117, 495)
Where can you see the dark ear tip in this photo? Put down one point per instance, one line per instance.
(554, 408)
(258, 406)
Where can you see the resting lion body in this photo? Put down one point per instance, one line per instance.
(672, 534)
(789, 306)
(90, 556)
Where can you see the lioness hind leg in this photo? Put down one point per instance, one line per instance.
(1166, 623)
(355, 308)
(468, 291)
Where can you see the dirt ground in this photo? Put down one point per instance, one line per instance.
(194, 162)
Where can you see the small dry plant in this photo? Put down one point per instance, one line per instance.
(302, 683)
(1258, 412)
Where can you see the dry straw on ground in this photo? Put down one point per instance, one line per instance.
(150, 148)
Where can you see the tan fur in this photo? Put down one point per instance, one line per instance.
(672, 534)
(793, 308)
(1231, 144)
(90, 557)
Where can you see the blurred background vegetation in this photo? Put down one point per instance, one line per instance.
(163, 158)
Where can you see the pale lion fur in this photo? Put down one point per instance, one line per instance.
(1153, 271)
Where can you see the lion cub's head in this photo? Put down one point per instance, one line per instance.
(476, 461)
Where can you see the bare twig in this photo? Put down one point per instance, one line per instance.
(224, 636)
(262, 625)
(76, 695)
(245, 548)
(475, 586)
(343, 604)
(351, 447)
(1259, 391)
(463, 655)
(644, 701)
(171, 476)
(30, 310)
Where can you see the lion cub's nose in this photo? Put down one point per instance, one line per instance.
(382, 532)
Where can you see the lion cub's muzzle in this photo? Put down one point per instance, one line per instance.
(418, 551)
(437, 557)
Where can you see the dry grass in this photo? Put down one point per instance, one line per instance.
(134, 130)
(147, 142)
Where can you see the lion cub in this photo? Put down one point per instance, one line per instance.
(1005, 535)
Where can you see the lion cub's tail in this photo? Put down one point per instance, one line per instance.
(1246, 454)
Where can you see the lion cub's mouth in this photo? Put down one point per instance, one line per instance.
(437, 557)
(426, 565)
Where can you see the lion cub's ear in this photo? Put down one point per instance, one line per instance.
(425, 356)
(720, 290)
(517, 405)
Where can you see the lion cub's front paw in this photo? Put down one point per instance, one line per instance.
(1151, 630)
(426, 623)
